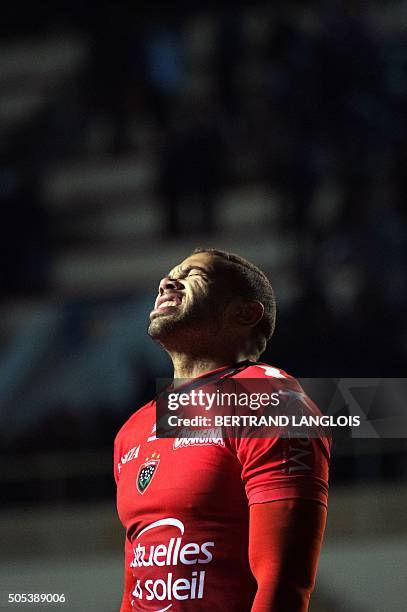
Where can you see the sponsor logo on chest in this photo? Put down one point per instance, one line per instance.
(201, 437)
(180, 565)
(129, 456)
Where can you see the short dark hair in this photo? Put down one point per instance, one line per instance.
(250, 282)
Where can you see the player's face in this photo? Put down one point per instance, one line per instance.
(191, 295)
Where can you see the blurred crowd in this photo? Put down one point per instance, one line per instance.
(310, 101)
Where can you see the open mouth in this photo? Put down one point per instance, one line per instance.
(167, 302)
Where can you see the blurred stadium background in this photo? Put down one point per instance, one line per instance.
(133, 132)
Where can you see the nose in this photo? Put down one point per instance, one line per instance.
(168, 284)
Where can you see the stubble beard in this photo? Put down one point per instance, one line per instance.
(182, 330)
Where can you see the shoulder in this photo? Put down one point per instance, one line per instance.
(263, 370)
(136, 420)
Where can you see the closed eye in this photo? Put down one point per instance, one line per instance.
(189, 271)
(198, 272)
(194, 272)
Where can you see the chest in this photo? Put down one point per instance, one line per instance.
(197, 478)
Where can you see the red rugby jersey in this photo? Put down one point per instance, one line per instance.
(184, 505)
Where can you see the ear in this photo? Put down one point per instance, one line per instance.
(248, 314)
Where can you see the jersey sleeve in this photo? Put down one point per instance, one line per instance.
(128, 582)
(116, 458)
(128, 578)
(284, 468)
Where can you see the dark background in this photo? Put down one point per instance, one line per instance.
(132, 133)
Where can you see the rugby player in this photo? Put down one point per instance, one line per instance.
(234, 525)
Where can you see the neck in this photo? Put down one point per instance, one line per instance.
(187, 365)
